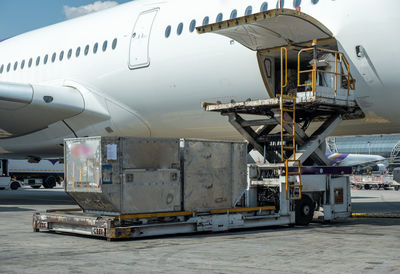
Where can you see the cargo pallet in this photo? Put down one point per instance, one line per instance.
(132, 226)
(155, 224)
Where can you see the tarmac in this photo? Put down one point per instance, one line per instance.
(358, 245)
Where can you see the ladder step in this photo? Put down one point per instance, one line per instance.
(293, 173)
(284, 96)
(292, 148)
(288, 135)
(288, 110)
(294, 186)
(288, 123)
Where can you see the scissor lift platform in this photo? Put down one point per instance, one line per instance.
(321, 104)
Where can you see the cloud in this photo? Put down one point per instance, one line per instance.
(72, 12)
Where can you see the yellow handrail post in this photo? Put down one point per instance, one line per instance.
(283, 79)
(314, 73)
(335, 74)
(283, 85)
(298, 68)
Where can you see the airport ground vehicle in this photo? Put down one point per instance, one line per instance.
(374, 182)
(46, 172)
(7, 182)
(191, 186)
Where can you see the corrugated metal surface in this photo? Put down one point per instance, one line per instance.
(214, 174)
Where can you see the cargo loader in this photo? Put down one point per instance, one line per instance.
(139, 187)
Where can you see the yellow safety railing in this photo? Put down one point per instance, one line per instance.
(344, 74)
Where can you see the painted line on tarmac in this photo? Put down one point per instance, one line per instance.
(374, 215)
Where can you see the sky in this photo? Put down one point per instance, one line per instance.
(19, 16)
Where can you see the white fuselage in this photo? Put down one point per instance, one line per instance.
(164, 98)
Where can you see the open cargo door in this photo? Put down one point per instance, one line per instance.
(266, 32)
(270, 29)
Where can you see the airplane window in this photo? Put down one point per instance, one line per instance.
(95, 47)
(78, 51)
(45, 59)
(233, 14)
(22, 64)
(61, 57)
(8, 67)
(1, 69)
(296, 3)
(249, 10)
(192, 25)
(30, 62)
(264, 7)
(206, 20)
(220, 16)
(38, 61)
(167, 31)
(105, 45)
(179, 29)
(314, 1)
(86, 50)
(53, 58)
(69, 54)
(15, 65)
(114, 43)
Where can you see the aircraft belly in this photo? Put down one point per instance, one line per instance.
(46, 143)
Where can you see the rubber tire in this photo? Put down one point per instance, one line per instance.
(304, 210)
(14, 185)
(35, 187)
(367, 187)
(49, 182)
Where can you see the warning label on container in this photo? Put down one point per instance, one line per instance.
(111, 152)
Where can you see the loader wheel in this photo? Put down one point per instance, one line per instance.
(50, 182)
(14, 185)
(304, 210)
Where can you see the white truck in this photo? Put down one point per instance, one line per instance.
(47, 172)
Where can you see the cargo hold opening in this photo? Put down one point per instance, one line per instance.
(269, 61)
(266, 32)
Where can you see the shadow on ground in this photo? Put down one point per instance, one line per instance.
(35, 197)
(376, 207)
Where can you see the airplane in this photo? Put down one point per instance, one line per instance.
(359, 161)
(141, 69)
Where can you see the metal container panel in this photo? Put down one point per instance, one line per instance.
(214, 174)
(83, 165)
(150, 153)
(147, 191)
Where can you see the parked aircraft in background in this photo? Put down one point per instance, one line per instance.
(359, 161)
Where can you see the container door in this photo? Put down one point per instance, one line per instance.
(140, 39)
